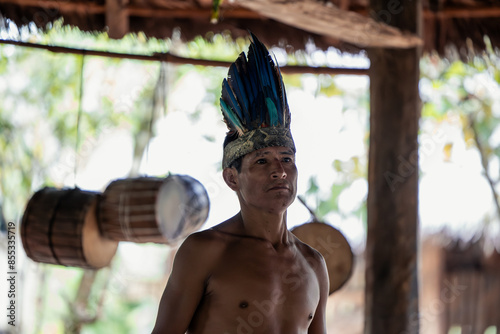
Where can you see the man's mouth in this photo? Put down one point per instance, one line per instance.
(280, 186)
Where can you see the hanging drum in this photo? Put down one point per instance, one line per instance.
(149, 209)
(59, 227)
(334, 247)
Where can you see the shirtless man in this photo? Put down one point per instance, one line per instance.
(249, 274)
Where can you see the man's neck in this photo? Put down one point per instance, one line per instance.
(267, 226)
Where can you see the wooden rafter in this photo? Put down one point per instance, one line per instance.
(170, 58)
(232, 11)
(89, 8)
(333, 22)
(135, 10)
(192, 13)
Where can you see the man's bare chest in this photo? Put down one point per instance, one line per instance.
(251, 277)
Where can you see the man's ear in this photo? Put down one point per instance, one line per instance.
(230, 177)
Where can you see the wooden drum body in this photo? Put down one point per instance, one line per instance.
(334, 247)
(59, 227)
(149, 209)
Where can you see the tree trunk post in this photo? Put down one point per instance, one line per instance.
(391, 293)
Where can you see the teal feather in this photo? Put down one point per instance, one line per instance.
(231, 100)
(254, 95)
(285, 115)
(268, 74)
(231, 118)
(272, 111)
(239, 89)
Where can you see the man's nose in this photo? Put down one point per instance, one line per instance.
(278, 171)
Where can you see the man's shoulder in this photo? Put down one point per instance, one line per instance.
(203, 238)
(211, 238)
(315, 260)
(200, 249)
(309, 253)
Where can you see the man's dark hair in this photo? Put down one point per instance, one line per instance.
(236, 164)
(231, 136)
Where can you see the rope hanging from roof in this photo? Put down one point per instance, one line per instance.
(79, 115)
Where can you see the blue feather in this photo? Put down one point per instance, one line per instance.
(231, 118)
(231, 100)
(240, 90)
(267, 71)
(254, 95)
(278, 78)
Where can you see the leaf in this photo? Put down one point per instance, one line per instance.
(457, 68)
(313, 187)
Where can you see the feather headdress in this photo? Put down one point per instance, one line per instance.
(254, 105)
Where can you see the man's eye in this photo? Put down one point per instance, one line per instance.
(287, 159)
(261, 161)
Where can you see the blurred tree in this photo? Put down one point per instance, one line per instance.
(469, 91)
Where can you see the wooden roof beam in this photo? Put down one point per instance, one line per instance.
(89, 8)
(330, 21)
(193, 13)
(229, 11)
(468, 13)
(173, 59)
(135, 10)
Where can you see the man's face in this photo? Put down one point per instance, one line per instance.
(268, 179)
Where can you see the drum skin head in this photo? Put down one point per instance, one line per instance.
(334, 247)
(144, 209)
(182, 207)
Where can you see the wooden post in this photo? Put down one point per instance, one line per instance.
(391, 295)
(117, 18)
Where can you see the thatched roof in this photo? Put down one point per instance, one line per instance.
(327, 22)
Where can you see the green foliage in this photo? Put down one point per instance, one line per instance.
(136, 43)
(39, 107)
(328, 86)
(58, 286)
(215, 47)
(466, 88)
(292, 80)
(347, 172)
(467, 91)
(117, 318)
(313, 186)
(331, 203)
